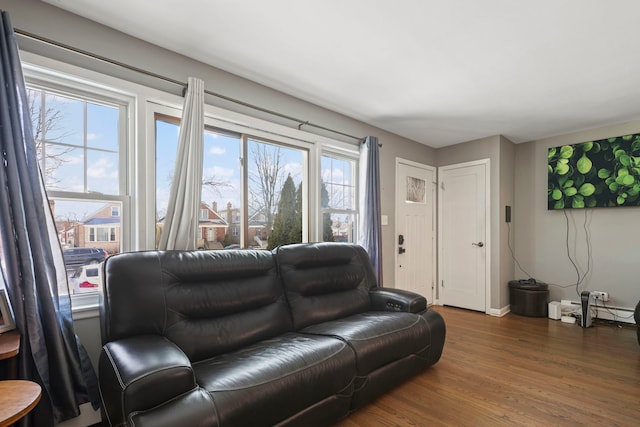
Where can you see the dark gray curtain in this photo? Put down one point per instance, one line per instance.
(32, 264)
(370, 236)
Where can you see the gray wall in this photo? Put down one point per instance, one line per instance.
(506, 198)
(518, 171)
(50, 22)
(540, 235)
(500, 152)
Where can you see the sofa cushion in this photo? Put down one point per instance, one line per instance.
(379, 338)
(192, 409)
(207, 302)
(325, 281)
(268, 382)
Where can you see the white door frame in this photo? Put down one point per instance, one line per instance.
(487, 226)
(434, 276)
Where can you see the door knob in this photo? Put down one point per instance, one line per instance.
(479, 244)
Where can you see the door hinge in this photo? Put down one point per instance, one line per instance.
(442, 185)
(442, 284)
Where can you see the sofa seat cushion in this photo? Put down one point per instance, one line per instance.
(379, 338)
(268, 382)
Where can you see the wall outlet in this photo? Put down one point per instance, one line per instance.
(599, 295)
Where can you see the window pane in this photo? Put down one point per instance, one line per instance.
(88, 233)
(166, 149)
(102, 172)
(77, 143)
(338, 199)
(338, 227)
(275, 194)
(63, 119)
(273, 171)
(65, 141)
(221, 191)
(64, 168)
(338, 178)
(102, 127)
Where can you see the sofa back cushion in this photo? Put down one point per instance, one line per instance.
(325, 281)
(207, 302)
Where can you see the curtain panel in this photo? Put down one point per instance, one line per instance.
(32, 265)
(180, 224)
(370, 230)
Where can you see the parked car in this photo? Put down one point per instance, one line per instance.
(82, 256)
(87, 278)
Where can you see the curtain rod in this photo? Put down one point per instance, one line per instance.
(178, 82)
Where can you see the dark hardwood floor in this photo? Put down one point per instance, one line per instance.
(518, 371)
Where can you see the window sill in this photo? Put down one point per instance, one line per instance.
(85, 306)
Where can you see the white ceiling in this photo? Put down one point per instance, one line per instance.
(438, 72)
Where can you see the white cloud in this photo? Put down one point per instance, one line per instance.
(216, 151)
(92, 136)
(295, 169)
(102, 168)
(74, 160)
(333, 175)
(218, 172)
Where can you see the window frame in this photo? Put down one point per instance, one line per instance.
(51, 77)
(137, 149)
(94, 229)
(217, 124)
(340, 153)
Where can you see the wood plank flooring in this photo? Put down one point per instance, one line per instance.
(518, 371)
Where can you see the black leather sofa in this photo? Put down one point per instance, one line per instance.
(298, 336)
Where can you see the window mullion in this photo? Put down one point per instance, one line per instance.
(244, 183)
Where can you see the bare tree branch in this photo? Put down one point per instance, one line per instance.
(266, 180)
(216, 185)
(46, 121)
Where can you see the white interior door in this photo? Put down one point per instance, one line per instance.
(415, 228)
(463, 202)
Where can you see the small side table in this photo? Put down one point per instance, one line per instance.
(9, 348)
(17, 399)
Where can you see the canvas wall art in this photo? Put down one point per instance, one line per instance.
(602, 173)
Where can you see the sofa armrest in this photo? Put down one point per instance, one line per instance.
(391, 299)
(141, 372)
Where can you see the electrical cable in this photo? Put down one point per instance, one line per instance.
(613, 313)
(575, 266)
(587, 235)
(511, 251)
(518, 263)
(581, 278)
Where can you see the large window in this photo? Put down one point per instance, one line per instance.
(258, 203)
(79, 146)
(263, 184)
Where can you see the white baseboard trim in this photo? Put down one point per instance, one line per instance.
(499, 312)
(623, 315)
(617, 314)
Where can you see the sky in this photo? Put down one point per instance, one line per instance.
(101, 162)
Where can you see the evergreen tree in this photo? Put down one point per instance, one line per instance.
(295, 236)
(285, 217)
(327, 232)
